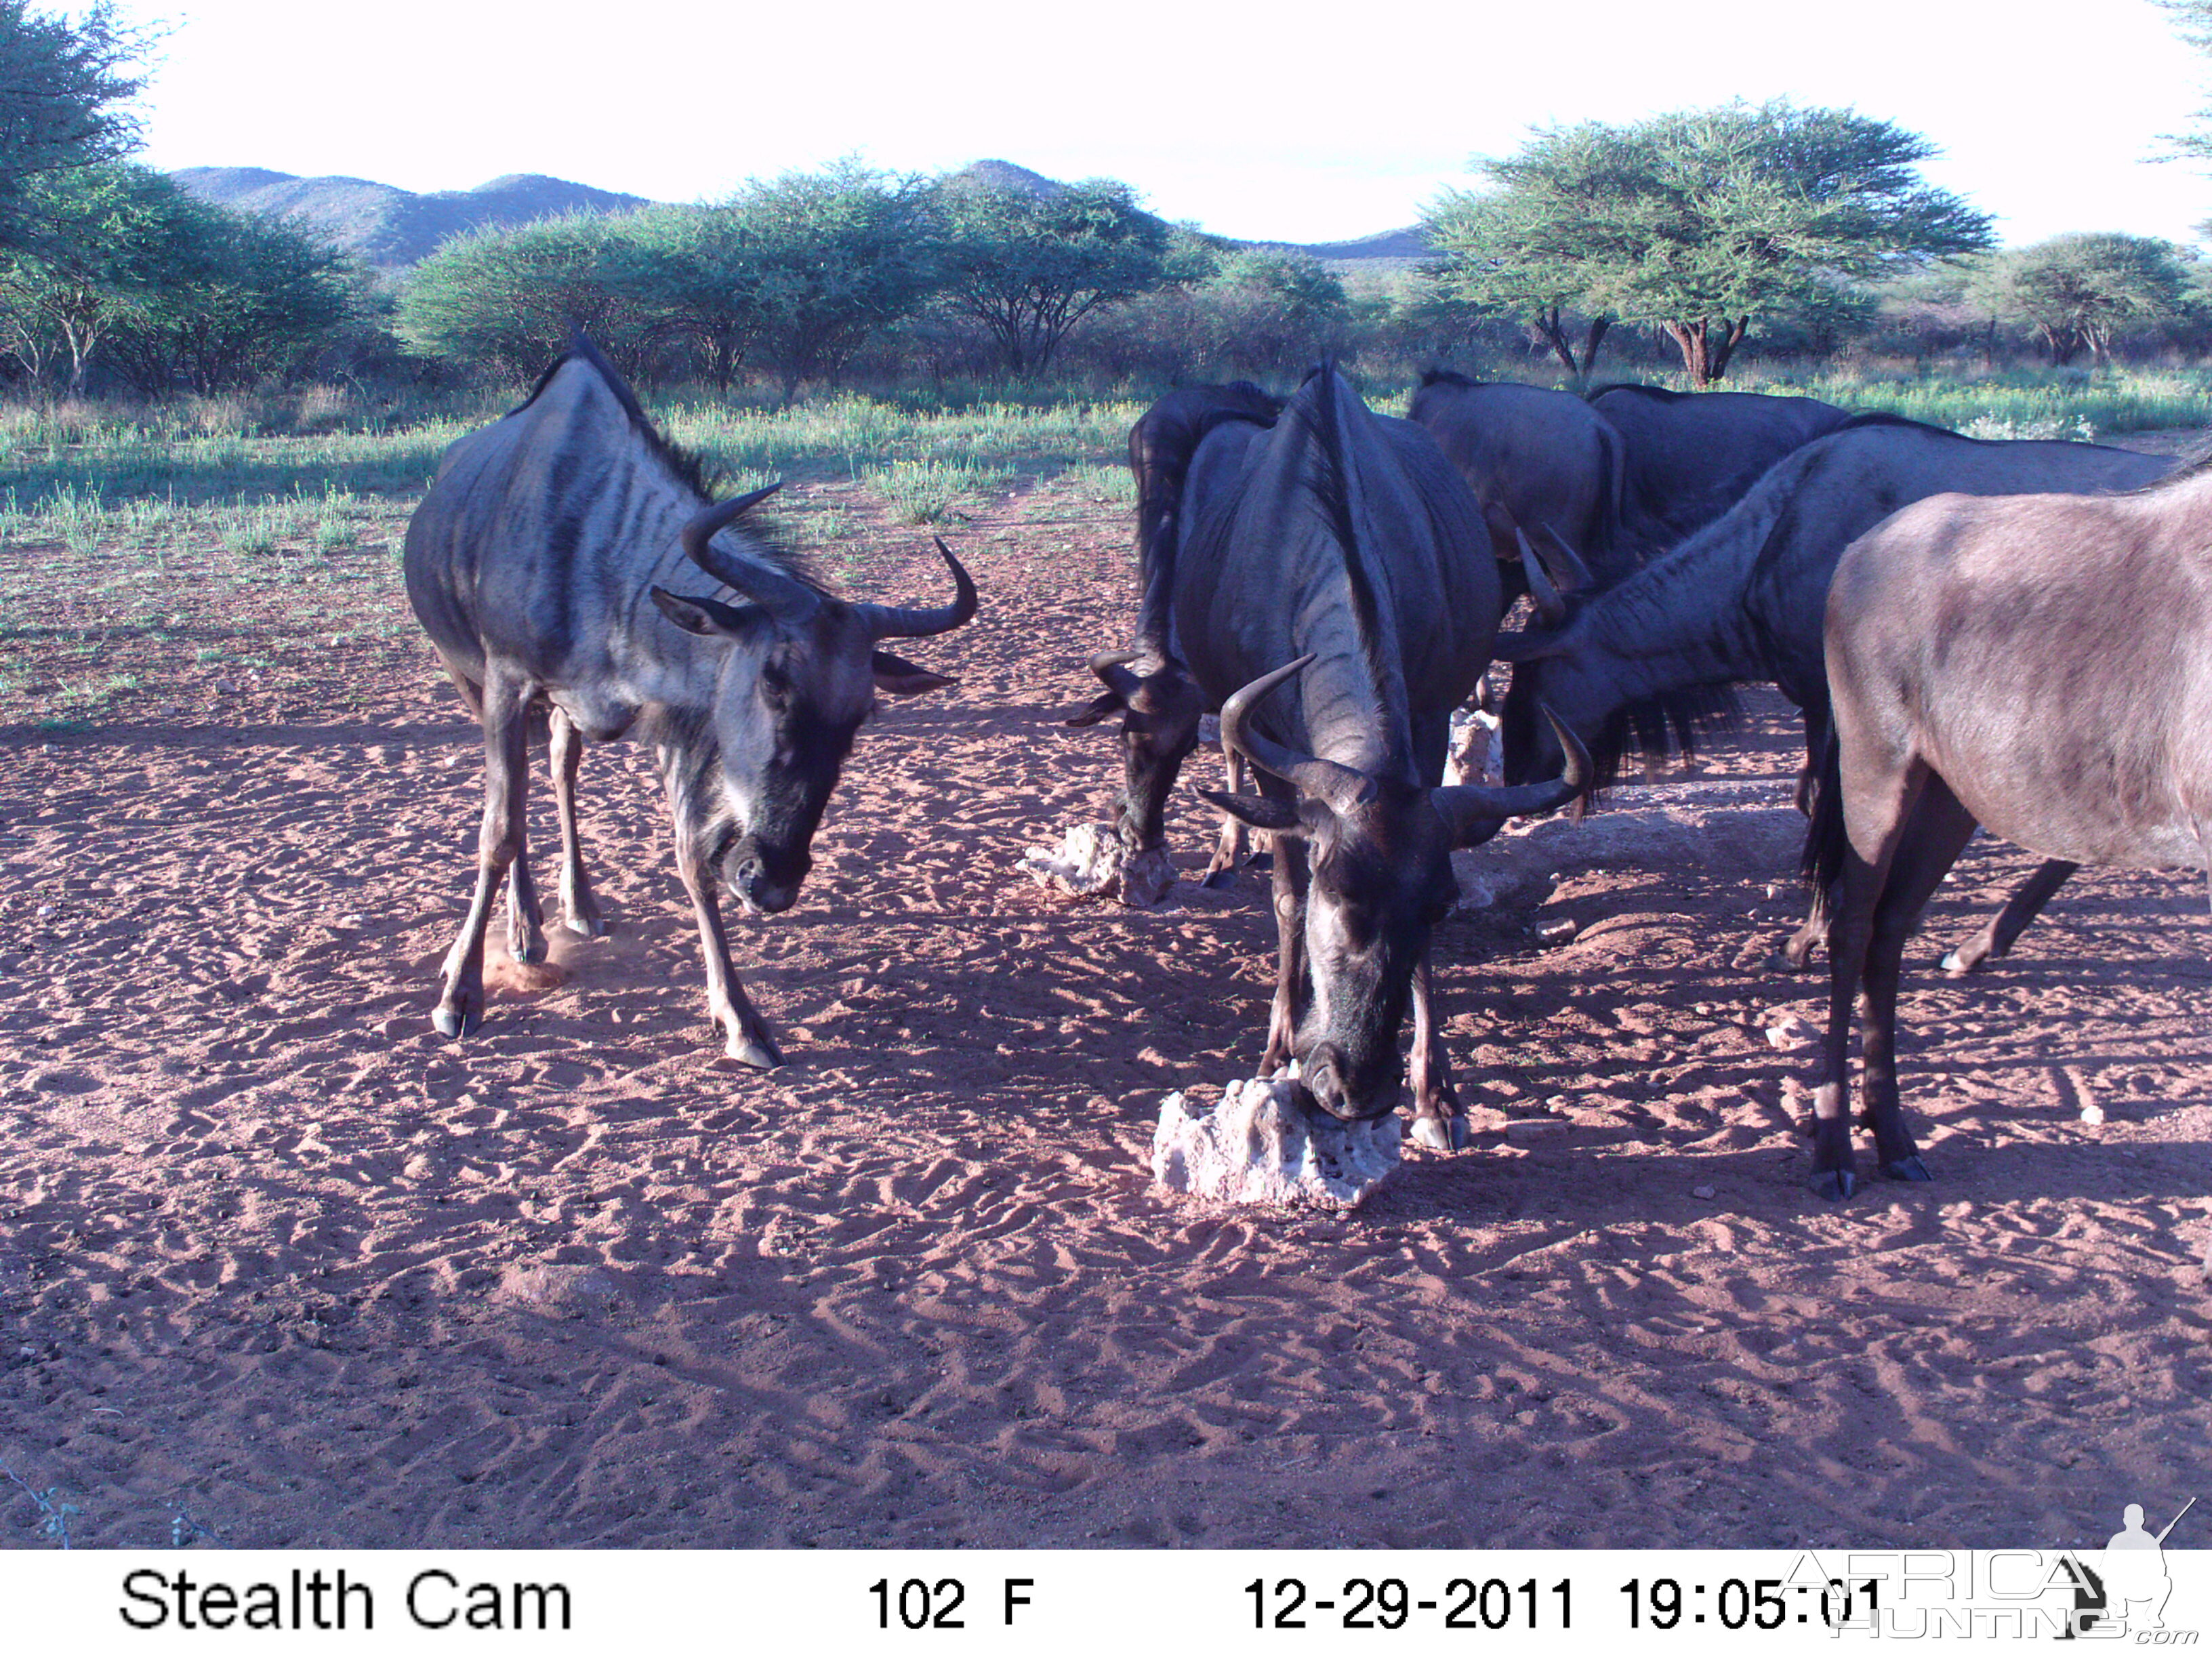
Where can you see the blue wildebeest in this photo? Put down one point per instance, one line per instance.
(1692, 456)
(2040, 665)
(1743, 600)
(543, 562)
(1546, 461)
(1341, 552)
(1150, 688)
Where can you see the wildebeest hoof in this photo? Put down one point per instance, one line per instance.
(760, 1052)
(527, 950)
(449, 1022)
(1218, 879)
(1261, 862)
(1907, 1168)
(1956, 965)
(1442, 1135)
(587, 926)
(1834, 1184)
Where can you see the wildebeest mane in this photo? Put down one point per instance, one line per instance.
(690, 470)
(1439, 376)
(1656, 393)
(1327, 479)
(1669, 723)
(687, 467)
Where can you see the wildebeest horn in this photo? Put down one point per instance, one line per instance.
(1573, 573)
(1524, 645)
(1463, 804)
(1340, 787)
(1113, 668)
(904, 622)
(785, 598)
(1551, 608)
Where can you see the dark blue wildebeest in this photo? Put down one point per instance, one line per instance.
(2039, 665)
(548, 564)
(1334, 590)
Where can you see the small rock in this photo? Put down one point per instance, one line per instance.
(1787, 1031)
(1523, 1128)
(1556, 933)
(226, 687)
(2093, 1114)
(565, 1289)
(1705, 1191)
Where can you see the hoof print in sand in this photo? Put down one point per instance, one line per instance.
(1090, 863)
(1260, 1147)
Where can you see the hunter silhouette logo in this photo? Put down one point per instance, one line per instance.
(2127, 1590)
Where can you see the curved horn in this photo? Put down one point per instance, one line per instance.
(783, 597)
(1551, 608)
(1340, 787)
(902, 622)
(1525, 645)
(1573, 573)
(1463, 804)
(1112, 668)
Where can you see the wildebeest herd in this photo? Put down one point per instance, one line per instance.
(1333, 583)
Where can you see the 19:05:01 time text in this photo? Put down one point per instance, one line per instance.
(1388, 1604)
(1760, 1603)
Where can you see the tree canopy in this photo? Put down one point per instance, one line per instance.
(1697, 223)
(1030, 265)
(63, 86)
(2079, 290)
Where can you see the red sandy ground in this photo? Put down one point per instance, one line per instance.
(276, 1259)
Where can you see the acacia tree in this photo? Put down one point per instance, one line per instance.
(2079, 290)
(693, 268)
(61, 88)
(512, 298)
(1700, 222)
(830, 259)
(110, 237)
(1522, 250)
(1030, 264)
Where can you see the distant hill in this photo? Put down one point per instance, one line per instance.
(392, 228)
(389, 228)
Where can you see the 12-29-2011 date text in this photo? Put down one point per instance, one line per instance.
(1464, 1603)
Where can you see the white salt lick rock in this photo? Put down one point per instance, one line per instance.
(1258, 1146)
(1090, 863)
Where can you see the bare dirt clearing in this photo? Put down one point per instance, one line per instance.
(276, 1259)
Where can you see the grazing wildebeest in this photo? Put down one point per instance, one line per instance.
(1551, 463)
(1693, 455)
(530, 564)
(1743, 600)
(1342, 551)
(1159, 703)
(2040, 665)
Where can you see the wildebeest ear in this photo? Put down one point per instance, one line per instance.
(1261, 811)
(1098, 709)
(902, 678)
(710, 617)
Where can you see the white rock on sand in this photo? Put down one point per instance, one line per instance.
(1088, 862)
(1259, 1146)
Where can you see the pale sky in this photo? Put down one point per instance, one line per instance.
(1280, 120)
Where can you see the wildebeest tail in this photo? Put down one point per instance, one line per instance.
(1825, 842)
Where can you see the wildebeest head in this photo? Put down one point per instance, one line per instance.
(1160, 712)
(1379, 851)
(797, 677)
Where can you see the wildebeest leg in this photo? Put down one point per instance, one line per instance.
(1290, 881)
(506, 769)
(726, 1003)
(1438, 1120)
(1228, 852)
(576, 901)
(1816, 742)
(1935, 833)
(2022, 908)
(1884, 807)
(525, 918)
